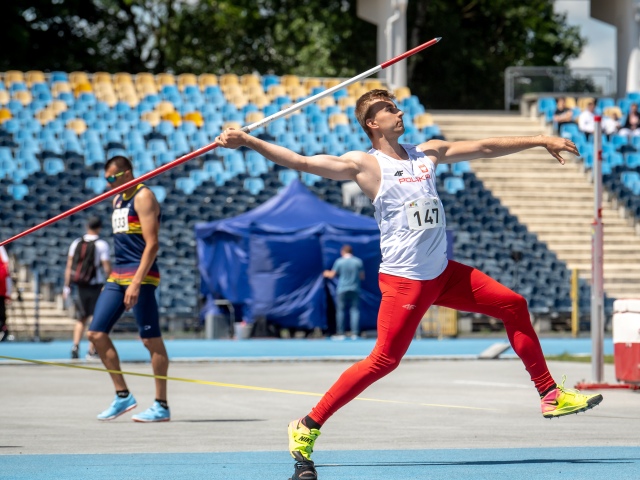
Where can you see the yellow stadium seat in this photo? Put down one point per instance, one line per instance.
(122, 77)
(173, 117)
(311, 83)
(77, 125)
(231, 90)
(260, 101)
(195, 117)
(130, 99)
(570, 102)
(338, 119)
(610, 111)
(354, 87)
(234, 125)
(250, 80)
(145, 77)
(101, 77)
(5, 114)
(229, 79)
(13, 76)
(165, 107)
(125, 88)
(326, 102)
(45, 115)
(345, 102)
(165, 79)
(206, 79)
(110, 99)
(298, 93)
(275, 91)
(402, 93)
(58, 106)
(253, 117)
(584, 101)
(185, 79)
(60, 87)
(373, 83)
(423, 120)
(254, 91)
(81, 88)
(239, 100)
(152, 117)
(145, 89)
(358, 92)
(331, 82)
(76, 78)
(290, 81)
(23, 96)
(4, 97)
(35, 76)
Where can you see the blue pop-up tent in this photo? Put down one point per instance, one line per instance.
(271, 258)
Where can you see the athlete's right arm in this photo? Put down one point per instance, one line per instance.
(345, 167)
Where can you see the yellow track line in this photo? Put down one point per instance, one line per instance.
(233, 385)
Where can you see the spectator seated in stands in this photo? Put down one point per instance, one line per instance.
(586, 120)
(562, 115)
(610, 124)
(632, 125)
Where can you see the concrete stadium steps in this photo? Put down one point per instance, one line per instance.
(554, 201)
(54, 320)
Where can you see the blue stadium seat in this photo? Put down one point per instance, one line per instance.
(53, 166)
(310, 179)
(442, 168)
(460, 168)
(234, 163)
(199, 176)
(453, 184)
(95, 184)
(256, 163)
(160, 192)
(18, 192)
(186, 185)
(287, 176)
(253, 185)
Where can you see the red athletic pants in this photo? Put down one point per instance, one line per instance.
(403, 305)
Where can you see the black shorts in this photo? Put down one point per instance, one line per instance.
(85, 299)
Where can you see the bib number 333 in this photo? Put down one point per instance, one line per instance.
(424, 213)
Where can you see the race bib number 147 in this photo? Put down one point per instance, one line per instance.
(424, 213)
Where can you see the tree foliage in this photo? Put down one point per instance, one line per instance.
(305, 37)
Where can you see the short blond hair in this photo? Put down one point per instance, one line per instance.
(364, 104)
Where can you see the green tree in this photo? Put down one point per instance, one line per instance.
(481, 38)
(306, 37)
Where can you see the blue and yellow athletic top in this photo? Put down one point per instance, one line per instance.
(129, 242)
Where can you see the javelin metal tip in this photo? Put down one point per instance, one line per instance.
(438, 39)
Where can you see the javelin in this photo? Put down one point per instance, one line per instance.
(203, 150)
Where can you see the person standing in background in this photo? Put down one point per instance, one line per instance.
(350, 272)
(88, 267)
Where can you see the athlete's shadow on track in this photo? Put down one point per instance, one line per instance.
(485, 463)
(220, 420)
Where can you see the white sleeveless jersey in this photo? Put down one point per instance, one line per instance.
(410, 216)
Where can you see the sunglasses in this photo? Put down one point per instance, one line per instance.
(113, 178)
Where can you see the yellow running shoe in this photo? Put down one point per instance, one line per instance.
(301, 440)
(564, 401)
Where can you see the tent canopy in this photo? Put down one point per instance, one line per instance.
(270, 259)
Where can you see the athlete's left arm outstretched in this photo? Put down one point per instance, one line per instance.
(148, 211)
(452, 152)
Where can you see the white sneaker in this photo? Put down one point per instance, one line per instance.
(338, 337)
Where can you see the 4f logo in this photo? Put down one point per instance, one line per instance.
(399, 173)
